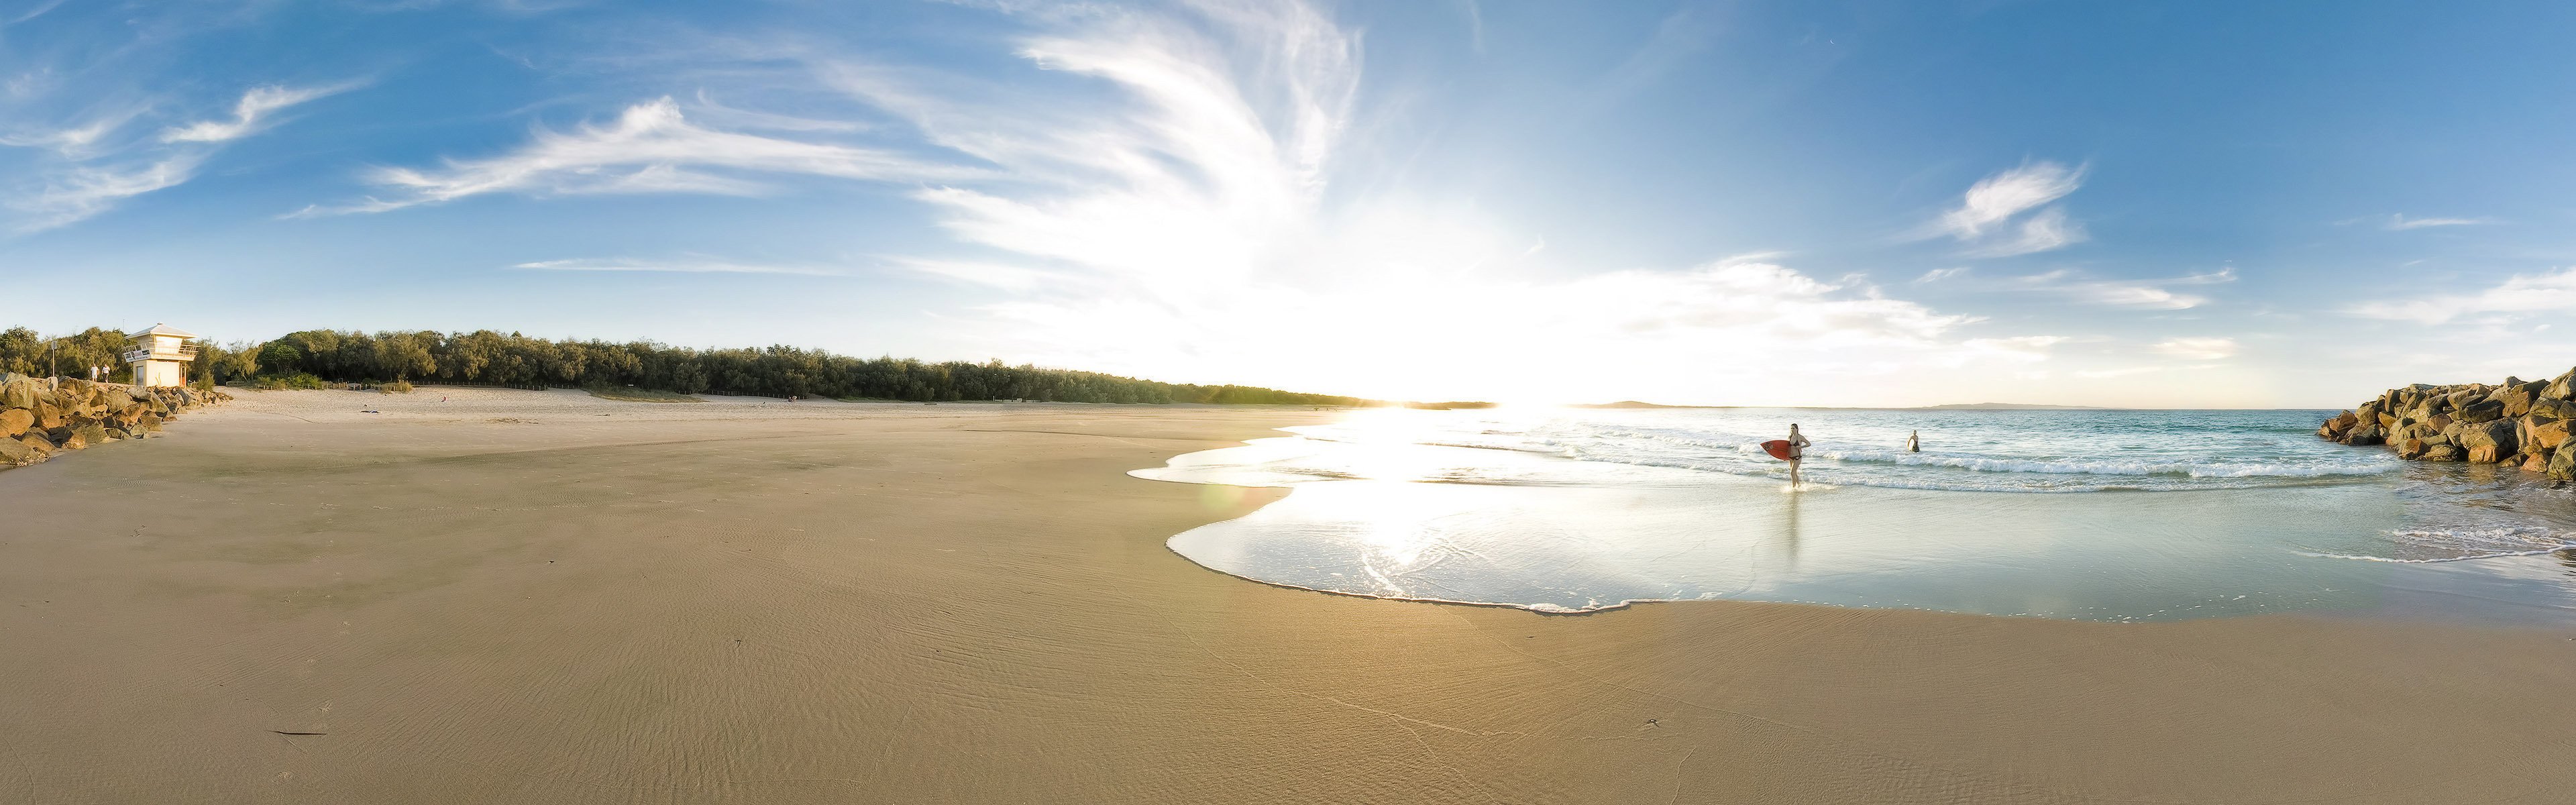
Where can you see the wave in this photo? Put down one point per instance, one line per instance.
(2471, 543)
(2191, 469)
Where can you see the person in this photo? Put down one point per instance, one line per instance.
(1797, 451)
(1914, 441)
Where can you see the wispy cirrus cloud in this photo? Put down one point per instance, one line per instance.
(2197, 348)
(250, 114)
(93, 166)
(2398, 222)
(2147, 294)
(2518, 296)
(651, 147)
(1991, 218)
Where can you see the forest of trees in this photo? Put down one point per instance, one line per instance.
(488, 357)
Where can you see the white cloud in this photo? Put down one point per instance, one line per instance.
(2517, 295)
(254, 106)
(2048, 230)
(1984, 219)
(1181, 228)
(2197, 349)
(1998, 198)
(82, 191)
(2151, 294)
(651, 148)
(2398, 222)
(92, 167)
(674, 267)
(1939, 274)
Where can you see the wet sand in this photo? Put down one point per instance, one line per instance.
(752, 602)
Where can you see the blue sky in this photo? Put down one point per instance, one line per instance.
(2176, 204)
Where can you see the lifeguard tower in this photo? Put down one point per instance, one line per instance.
(164, 357)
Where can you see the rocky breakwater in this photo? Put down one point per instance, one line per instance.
(2517, 422)
(42, 416)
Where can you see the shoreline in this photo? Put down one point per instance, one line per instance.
(929, 605)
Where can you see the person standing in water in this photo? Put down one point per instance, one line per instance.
(1914, 441)
(1797, 451)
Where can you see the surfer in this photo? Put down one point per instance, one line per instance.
(1914, 441)
(1797, 451)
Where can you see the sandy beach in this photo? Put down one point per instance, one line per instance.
(543, 597)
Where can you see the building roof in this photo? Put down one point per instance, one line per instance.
(163, 329)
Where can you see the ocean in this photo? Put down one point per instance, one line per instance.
(2095, 515)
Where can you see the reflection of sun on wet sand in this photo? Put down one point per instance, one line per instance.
(544, 597)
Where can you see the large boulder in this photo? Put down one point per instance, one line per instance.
(14, 453)
(2554, 409)
(2536, 462)
(2563, 388)
(15, 421)
(2562, 464)
(2490, 442)
(2480, 411)
(50, 416)
(2443, 452)
(2516, 397)
(2536, 435)
(2336, 426)
(2366, 435)
(21, 392)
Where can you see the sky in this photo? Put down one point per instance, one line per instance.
(1792, 203)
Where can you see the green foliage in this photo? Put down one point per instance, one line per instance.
(396, 387)
(23, 350)
(298, 380)
(627, 394)
(485, 356)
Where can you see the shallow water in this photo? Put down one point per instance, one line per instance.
(2096, 515)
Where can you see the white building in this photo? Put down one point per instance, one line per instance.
(164, 358)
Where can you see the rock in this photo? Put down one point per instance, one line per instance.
(150, 423)
(2490, 442)
(2442, 452)
(16, 421)
(2536, 462)
(2562, 464)
(2554, 409)
(16, 454)
(118, 435)
(37, 442)
(2438, 422)
(2516, 398)
(49, 416)
(2540, 436)
(2365, 436)
(19, 393)
(2410, 448)
(2336, 426)
(2563, 388)
(2481, 411)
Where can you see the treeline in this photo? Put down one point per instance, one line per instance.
(484, 356)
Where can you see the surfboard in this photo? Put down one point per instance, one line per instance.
(1778, 448)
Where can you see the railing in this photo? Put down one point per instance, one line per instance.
(185, 352)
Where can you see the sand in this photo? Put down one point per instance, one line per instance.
(753, 602)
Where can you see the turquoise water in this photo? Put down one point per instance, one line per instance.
(2099, 515)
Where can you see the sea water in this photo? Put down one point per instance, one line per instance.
(2100, 515)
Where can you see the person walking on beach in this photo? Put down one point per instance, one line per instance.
(1797, 451)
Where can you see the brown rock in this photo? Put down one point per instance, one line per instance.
(2543, 436)
(15, 454)
(16, 421)
(2535, 462)
(37, 442)
(48, 416)
(2438, 422)
(2562, 464)
(2442, 452)
(2365, 436)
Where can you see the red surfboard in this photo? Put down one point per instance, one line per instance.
(1778, 448)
